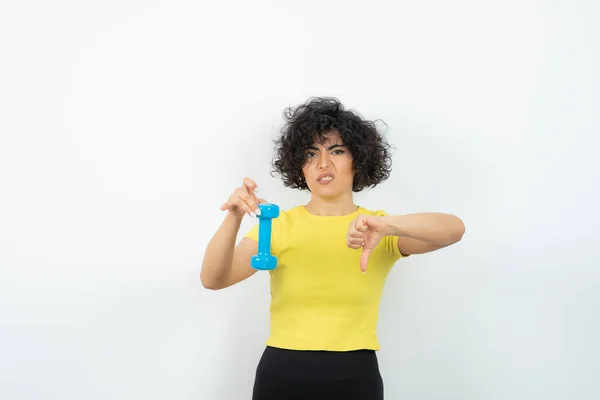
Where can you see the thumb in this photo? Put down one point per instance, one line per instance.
(261, 200)
(364, 259)
(361, 223)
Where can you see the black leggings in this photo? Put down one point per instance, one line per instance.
(315, 375)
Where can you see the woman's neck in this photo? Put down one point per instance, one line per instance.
(331, 207)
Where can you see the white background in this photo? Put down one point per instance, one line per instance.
(125, 124)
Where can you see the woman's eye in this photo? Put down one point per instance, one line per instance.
(338, 152)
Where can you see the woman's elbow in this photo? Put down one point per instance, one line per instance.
(209, 284)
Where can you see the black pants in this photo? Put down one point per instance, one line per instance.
(315, 375)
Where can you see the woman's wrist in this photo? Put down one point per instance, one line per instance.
(393, 225)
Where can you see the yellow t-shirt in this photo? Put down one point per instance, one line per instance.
(320, 299)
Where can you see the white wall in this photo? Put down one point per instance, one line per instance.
(125, 124)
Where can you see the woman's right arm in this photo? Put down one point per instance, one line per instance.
(224, 263)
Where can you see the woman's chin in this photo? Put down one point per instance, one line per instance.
(327, 191)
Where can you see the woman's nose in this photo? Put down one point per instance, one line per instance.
(324, 161)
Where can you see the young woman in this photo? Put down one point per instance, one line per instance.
(333, 256)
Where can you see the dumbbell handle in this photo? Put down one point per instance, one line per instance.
(264, 235)
(264, 260)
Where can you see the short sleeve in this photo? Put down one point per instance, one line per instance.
(391, 244)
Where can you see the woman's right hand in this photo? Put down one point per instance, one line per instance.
(243, 200)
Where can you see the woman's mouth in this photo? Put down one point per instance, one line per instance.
(325, 179)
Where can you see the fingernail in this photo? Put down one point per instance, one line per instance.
(252, 214)
(257, 211)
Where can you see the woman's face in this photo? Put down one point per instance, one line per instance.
(329, 170)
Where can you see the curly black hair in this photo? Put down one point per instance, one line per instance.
(313, 120)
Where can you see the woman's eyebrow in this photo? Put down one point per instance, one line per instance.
(333, 146)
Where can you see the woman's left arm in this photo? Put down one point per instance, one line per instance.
(424, 232)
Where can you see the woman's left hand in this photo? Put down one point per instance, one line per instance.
(365, 231)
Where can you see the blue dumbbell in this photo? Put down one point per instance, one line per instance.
(264, 260)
